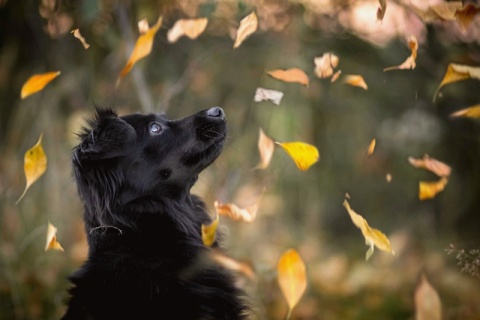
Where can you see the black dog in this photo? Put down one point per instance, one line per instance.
(146, 256)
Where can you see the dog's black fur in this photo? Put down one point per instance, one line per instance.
(146, 257)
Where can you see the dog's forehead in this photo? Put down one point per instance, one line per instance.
(140, 119)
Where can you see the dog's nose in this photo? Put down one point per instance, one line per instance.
(216, 112)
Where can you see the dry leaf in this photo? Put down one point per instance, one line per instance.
(440, 12)
(335, 76)
(37, 82)
(428, 190)
(262, 94)
(292, 278)
(266, 147)
(373, 237)
(382, 9)
(232, 211)
(388, 177)
(371, 147)
(78, 35)
(410, 62)
(35, 165)
(191, 28)
(248, 25)
(432, 165)
(471, 112)
(465, 15)
(427, 302)
(290, 75)
(142, 48)
(458, 72)
(356, 81)
(143, 26)
(52, 243)
(234, 265)
(303, 154)
(325, 64)
(209, 232)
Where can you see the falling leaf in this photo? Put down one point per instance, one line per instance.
(371, 147)
(303, 154)
(209, 232)
(234, 265)
(373, 237)
(248, 25)
(78, 35)
(356, 81)
(382, 9)
(232, 211)
(428, 190)
(191, 28)
(471, 112)
(52, 243)
(428, 305)
(266, 147)
(388, 177)
(465, 15)
(292, 278)
(410, 62)
(458, 72)
(35, 165)
(142, 48)
(431, 164)
(290, 75)
(325, 64)
(262, 94)
(335, 76)
(441, 12)
(143, 26)
(37, 82)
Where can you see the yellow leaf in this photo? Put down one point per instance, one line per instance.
(191, 28)
(52, 243)
(428, 305)
(35, 165)
(465, 15)
(382, 9)
(325, 64)
(458, 72)
(234, 265)
(262, 94)
(292, 277)
(371, 147)
(290, 75)
(432, 165)
(266, 147)
(471, 112)
(356, 81)
(303, 154)
(248, 25)
(78, 35)
(428, 190)
(209, 232)
(373, 237)
(37, 82)
(142, 48)
(232, 211)
(410, 62)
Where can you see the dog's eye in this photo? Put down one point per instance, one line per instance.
(155, 128)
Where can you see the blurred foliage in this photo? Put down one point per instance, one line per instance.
(298, 209)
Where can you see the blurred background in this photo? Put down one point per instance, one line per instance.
(301, 210)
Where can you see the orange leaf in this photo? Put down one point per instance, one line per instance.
(292, 277)
(303, 154)
(35, 165)
(266, 147)
(37, 82)
(356, 81)
(248, 25)
(78, 35)
(382, 9)
(142, 48)
(465, 16)
(371, 147)
(209, 232)
(52, 243)
(335, 76)
(290, 75)
(232, 211)
(325, 64)
(432, 165)
(410, 62)
(428, 190)
(458, 72)
(262, 94)
(191, 28)
(428, 305)
(471, 112)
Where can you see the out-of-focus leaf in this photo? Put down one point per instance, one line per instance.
(382, 9)
(465, 15)
(457, 72)
(335, 76)
(234, 265)
(356, 81)
(428, 189)
(78, 35)
(209, 232)
(325, 64)
(292, 278)
(371, 147)
(142, 48)
(52, 243)
(191, 28)
(262, 94)
(232, 211)
(431, 164)
(388, 177)
(248, 25)
(37, 82)
(373, 237)
(143, 26)
(303, 154)
(35, 165)
(410, 62)
(428, 305)
(471, 112)
(290, 75)
(266, 147)
(443, 11)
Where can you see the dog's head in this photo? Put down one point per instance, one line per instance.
(124, 159)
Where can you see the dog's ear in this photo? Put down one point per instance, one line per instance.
(107, 136)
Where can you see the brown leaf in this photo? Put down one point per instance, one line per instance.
(458, 72)
(465, 15)
(290, 75)
(432, 165)
(266, 147)
(292, 277)
(382, 9)
(427, 301)
(78, 35)
(191, 28)
(410, 62)
(325, 64)
(356, 81)
(37, 82)
(248, 25)
(262, 94)
(52, 243)
(371, 147)
(232, 211)
(428, 190)
(471, 112)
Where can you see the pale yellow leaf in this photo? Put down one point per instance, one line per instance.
(335, 76)
(290, 75)
(325, 64)
(191, 28)
(292, 277)
(429, 189)
(441, 12)
(431, 164)
(458, 72)
(356, 81)
(371, 147)
(232, 211)
(248, 25)
(262, 94)
(209, 232)
(388, 177)
(410, 62)
(428, 305)
(303, 154)
(78, 35)
(143, 26)
(266, 147)
(52, 243)
(471, 112)
(37, 82)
